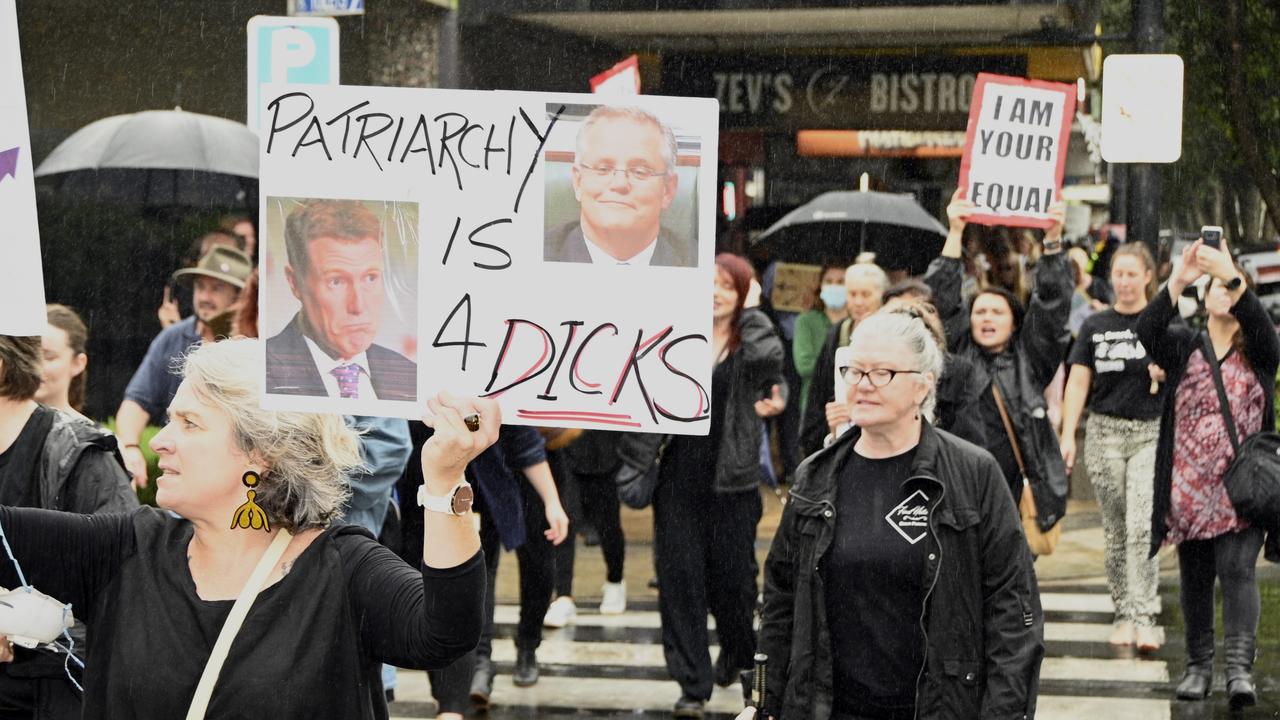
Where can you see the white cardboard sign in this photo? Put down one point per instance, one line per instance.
(546, 250)
(22, 293)
(1016, 149)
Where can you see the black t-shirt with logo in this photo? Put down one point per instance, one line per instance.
(1109, 346)
(874, 591)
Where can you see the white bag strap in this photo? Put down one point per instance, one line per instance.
(204, 690)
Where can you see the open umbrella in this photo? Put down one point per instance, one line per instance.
(158, 158)
(835, 227)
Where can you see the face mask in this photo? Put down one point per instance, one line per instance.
(833, 296)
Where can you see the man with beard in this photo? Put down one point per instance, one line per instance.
(216, 283)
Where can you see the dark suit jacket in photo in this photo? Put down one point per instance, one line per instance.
(565, 243)
(292, 371)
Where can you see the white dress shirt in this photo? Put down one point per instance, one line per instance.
(600, 257)
(326, 365)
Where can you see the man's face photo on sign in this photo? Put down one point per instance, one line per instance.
(624, 173)
(350, 269)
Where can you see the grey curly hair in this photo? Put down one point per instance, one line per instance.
(912, 331)
(309, 456)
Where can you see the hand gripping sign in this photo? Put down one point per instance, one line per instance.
(1016, 149)
(552, 251)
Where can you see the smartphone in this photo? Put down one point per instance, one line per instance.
(1212, 236)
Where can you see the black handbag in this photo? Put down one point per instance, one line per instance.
(637, 475)
(1253, 479)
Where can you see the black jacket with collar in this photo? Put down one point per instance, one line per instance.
(982, 622)
(566, 243)
(1023, 370)
(757, 367)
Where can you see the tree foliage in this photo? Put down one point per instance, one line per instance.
(1230, 153)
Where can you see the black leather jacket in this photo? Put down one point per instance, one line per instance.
(1023, 370)
(982, 621)
(757, 368)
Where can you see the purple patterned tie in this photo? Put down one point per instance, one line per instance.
(348, 380)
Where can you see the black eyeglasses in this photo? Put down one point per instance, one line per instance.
(879, 377)
(635, 174)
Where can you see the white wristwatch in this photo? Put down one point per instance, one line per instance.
(456, 502)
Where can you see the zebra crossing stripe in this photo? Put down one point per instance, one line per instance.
(602, 664)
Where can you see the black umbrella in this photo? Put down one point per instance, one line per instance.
(156, 159)
(835, 227)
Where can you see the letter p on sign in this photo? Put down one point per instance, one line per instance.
(297, 50)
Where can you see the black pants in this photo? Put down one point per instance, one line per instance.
(1231, 559)
(562, 555)
(704, 549)
(599, 508)
(451, 685)
(44, 698)
(536, 563)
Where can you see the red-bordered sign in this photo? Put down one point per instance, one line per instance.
(619, 79)
(1015, 149)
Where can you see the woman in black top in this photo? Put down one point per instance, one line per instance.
(707, 502)
(1112, 369)
(1016, 350)
(157, 589)
(899, 585)
(1191, 508)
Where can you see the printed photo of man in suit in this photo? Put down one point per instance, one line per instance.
(335, 269)
(624, 177)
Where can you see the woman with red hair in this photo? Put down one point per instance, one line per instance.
(707, 501)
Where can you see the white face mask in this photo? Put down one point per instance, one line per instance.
(833, 296)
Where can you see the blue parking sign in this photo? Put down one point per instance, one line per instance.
(298, 50)
(326, 7)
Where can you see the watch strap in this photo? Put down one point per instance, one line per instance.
(438, 503)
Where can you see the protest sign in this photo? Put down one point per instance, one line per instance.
(1016, 149)
(545, 250)
(22, 293)
(794, 286)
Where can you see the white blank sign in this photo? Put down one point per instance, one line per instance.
(1142, 108)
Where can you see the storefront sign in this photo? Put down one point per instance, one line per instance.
(894, 93)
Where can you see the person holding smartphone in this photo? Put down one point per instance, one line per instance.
(1191, 508)
(1124, 389)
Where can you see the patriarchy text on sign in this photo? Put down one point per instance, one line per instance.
(1016, 149)
(551, 251)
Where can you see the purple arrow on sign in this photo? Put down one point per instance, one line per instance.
(9, 163)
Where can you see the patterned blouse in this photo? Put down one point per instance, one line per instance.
(1199, 508)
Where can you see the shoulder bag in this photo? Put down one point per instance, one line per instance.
(1253, 479)
(1041, 542)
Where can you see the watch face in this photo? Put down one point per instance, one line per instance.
(462, 499)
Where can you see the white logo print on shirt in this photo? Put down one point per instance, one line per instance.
(911, 517)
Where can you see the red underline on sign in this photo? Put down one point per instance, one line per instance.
(601, 418)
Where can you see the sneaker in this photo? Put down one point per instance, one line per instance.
(561, 612)
(614, 600)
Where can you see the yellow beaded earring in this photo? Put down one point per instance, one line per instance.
(250, 515)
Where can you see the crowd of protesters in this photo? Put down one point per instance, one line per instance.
(961, 395)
